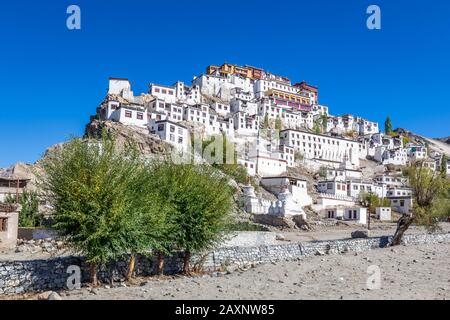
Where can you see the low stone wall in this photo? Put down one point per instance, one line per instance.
(250, 238)
(51, 274)
(36, 233)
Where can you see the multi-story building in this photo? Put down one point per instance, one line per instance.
(357, 187)
(120, 87)
(171, 132)
(397, 156)
(333, 187)
(401, 199)
(204, 116)
(222, 109)
(129, 114)
(177, 92)
(311, 91)
(222, 86)
(318, 146)
(350, 124)
(235, 101)
(246, 125)
(246, 106)
(391, 181)
(416, 152)
(11, 183)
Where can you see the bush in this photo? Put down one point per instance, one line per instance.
(199, 203)
(322, 172)
(101, 198)
(29, 216)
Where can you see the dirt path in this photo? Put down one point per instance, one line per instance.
(413, 272)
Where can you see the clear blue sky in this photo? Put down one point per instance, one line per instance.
(52, 79)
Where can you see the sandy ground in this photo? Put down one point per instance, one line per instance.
(406, 272)
(344, 232)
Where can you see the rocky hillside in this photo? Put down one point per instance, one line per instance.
(434, 144)
(445, 140)
(147, 143)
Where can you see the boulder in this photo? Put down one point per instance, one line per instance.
(44, 295)
(54, 296)
(360, 234)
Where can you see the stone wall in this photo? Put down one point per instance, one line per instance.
(36, 233)
(51, 274)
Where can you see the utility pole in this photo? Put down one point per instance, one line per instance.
(17, 191)
(368, 212)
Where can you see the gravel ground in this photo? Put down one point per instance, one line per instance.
(407, 272)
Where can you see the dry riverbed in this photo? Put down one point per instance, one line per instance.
(407, 272)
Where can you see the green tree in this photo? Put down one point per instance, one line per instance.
(406, 140)
(278, 124)
(371, 201)
(444, 162)
(199, 203)
(10, 199)
(29, 214)
(101, 197)
(233, 169)
(316, 127)
(320, 124)
(298, 156)
(388, 126)
(324, 122)
(430, 200)
(266, 121)
(322, 172)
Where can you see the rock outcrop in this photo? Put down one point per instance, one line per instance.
(147, 143)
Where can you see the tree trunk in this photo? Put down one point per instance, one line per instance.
(131, 265)
(402, 225)
(187, 258)
(93, 274)
(160, 264)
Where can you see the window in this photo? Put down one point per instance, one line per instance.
(180, 140)
(156, 89)
(3, 224)
(172, 138)
(127, 114)
(140, 116)
(180, 131)
(160, 127)
(172, 129)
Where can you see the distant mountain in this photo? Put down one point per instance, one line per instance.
(445, 140)
(441, 145)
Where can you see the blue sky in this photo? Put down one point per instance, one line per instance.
(52, 78)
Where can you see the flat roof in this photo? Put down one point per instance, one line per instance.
(171, 122)
(318, 134)
(283, 176)
(161, 85)
(114, 78)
